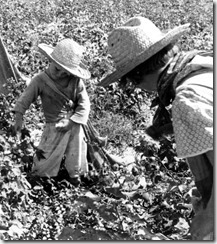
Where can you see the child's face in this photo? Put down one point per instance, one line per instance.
(57, 72)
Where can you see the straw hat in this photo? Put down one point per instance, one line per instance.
(134, 42)
(69, 55)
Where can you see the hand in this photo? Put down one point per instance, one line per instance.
(18, 122)
(64, 125)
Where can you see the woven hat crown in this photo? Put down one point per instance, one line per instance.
(127, 42)
(68, 53)
(135, 42)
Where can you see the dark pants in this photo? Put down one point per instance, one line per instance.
(202, 169)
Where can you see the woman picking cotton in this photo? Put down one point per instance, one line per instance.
(149, 59)
(63, 135)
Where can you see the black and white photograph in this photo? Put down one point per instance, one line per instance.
(106, 120)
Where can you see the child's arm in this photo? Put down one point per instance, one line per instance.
(29, 96)
(82, 108)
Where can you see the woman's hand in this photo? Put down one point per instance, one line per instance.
(64, 125)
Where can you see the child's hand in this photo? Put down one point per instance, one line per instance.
(64, 125)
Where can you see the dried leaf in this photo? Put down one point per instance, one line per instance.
(92, 196)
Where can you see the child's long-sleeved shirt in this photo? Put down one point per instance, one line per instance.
(53, 103)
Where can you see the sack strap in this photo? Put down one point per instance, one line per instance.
(52, 85)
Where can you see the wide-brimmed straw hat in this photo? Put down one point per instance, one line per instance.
(136, 41)
(69, 55)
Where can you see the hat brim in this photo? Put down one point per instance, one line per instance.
(168, 38)
(79, 71)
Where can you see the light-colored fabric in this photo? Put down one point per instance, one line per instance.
(180, 68)
(192, 113)
(55, 145)
(54, 104)
(197, 64)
